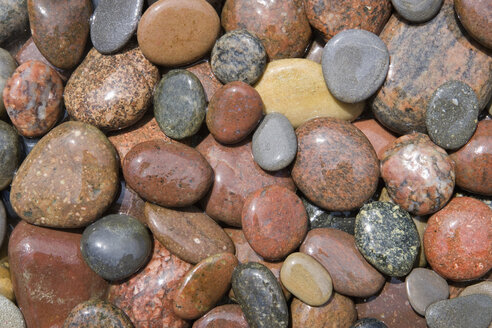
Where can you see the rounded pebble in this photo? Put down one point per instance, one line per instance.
(417, 11)
(369, 323)
(475, 17)
(10, 315)
(224, 316)
(425, 287)
(10, 153)
(97, 314)
(13, 19)
(484, 287)
(7, 68)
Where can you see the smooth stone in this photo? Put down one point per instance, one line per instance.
(425, 287)
(33, 98)
(234, 112)
(113, 23)
(330, 17)
(189, 233)
(111, 92)
(455, 288)
(116, 246)
(68, 180)
(169, 174)
(484, 288)
(128, 202)
(97, 314)
(351, 274)
(13, 18)
(466, 257)
(338, 312)
(369, 323)
(179, 104)
(306, 279)
(146, 298)
(315, 51)
(418, 69)
(10, 315)
(274, 221)
(65, 24)
(377, 134)
(210, 83)
(416, 11)
(355, 64)
(3, 223)
(10, 154)
(236, 175)
(217, 4)
(260, 296)
(475, 17)
(6, 286)
(203, 286)
(297, 89)
(332, 157)
(229, 315)
(38, 258)
(474, 311)
(284, 35)
(7, 68)
(238, 56)
(319, 218)
(474, 161)
(418, 174)
(191, 26)
(274, 143)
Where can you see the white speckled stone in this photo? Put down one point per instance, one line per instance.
(10, 315)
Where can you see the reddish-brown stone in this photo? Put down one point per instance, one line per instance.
(236, 176)
(169, 174)
(281, 25)
(203, 71)
(50, 276)
(377, 134)
(274, 221)
(474, 161)
(33, 98)
(233, 112)
(475, 17)
(351, 274)
(333, 156)
(224, 316)
(147, 297)
(458, 239)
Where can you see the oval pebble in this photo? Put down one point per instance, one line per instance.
(10, 315)
(10, 154)
(425, 287)
(417, 11)
(97, 314)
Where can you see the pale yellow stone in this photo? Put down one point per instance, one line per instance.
(296, 88)
(6, 287)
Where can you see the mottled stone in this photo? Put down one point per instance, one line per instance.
(319, 218)
(468, 311)
(7, 68)
(10, 154)
(10, 315)
(210, 83)
(484, 287)
(111, 92)
(315, 50)
(377, 134)
(189, 233)
(369, 323)
(332, 157)
(417, 11)
(297, 89)
(475, 17)
(229, 315)
(68, 180)
(425, 287)
(65, 24)
(465, 257)
(13, 18)
(97, 314)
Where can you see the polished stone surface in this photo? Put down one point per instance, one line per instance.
(475, 17)
(425, 287)
(416, 11)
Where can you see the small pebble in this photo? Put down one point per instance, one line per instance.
(425, 287)
(97, 314)
(10, 315)
(7, 68)
(224, 316)
(417, 11)
(10, 154)
(484, 287)
(369, 323)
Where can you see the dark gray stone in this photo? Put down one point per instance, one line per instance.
(417, 11)
(387, 238)
(452, 115)
(369, 323)
(425, 287)
(3, 223)
(116, 246)
(13, 18)
(10, 315)
(95, 3)
(320, 218)
(238, 56)
(355, 64)
(7, 68)
(10, 152)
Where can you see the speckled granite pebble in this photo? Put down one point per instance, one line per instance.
(7, 68)
(10, 153)
(368, 323)
(319, 218)
(97, 314)
(13, 18)
(10, 315)
(425, 287)
(417, 11)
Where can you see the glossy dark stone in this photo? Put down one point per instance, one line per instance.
(13, 18)
(10, 152)
(116, 246)
(320, 218)
(369, 323)
(97, 314)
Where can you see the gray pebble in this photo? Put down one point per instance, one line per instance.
(10, 153)
(320, 218)
(238, 56)
(417, 11)
(452, 115)
(274, 143)
(425, 287)
(10, 315)
(484, 287)
(355, 64)
(3, 223)
(7, 68)
(13, 18)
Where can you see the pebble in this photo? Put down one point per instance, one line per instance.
(97, 314)
(114, 23)
(296, 88)
(377, 134)
(319, 218)
(425, 287)
(238, 56)
(128, 202)
(7, 68)
(475, 17)
(33, 98)
(274, 143)
(417, 11)
(260, 296)
(72, 159)
(355, 64)
(210, 83)
(369, 323)
(229, 315)
(467, 257)
(474, 311)
(179, 104)
(484, 287)
(3, 223)
(6, 286)
(190, 26)
(13, 18)
(315, 51)
(234, 112)
(10, 315)
(10, 154)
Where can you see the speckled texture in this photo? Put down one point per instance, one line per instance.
(68, 180)
(179, 104)
(6, 287)
(260, 296)
(236, 175)
(111, 92)
(210, 83)
(13, 18)
(147, 296)
(423, 57)
(38, 258)
(425, 287)
(352, 275)
(467, 311)
(377, 134)
(355, 63)
(10, 315)
(203, 286)
(7, 68)
(419, 175)
(319, 218)
(188, 233)
(332, 16)
(65, 24)
(369, 323)
(281, 25)
(467, 257)
(229, 315)
(169, 174)
(416, 11)
(475, 17)
(97, 314)
(10, 154)
(332, 157)
(33, 98)
(113, 24)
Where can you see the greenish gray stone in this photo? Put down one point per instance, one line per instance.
(417, 11)
(13, 18)
(10, 152)
(425, 287)
(320, 218)
(7, 68)
(369, 323)
(10, 315)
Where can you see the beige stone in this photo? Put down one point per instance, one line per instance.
(6, 287)
(484, 287)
